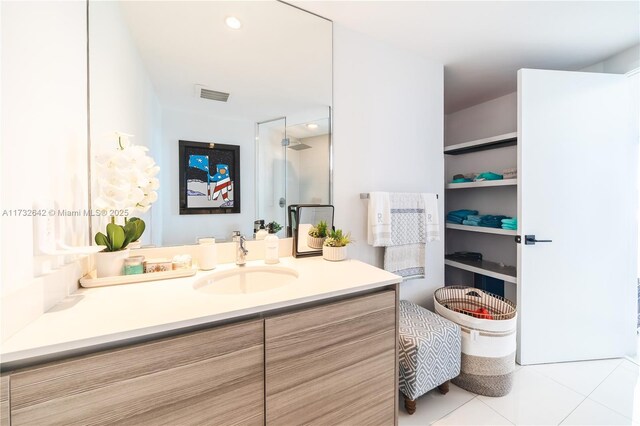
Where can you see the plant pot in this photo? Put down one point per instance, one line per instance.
(134, 244)
(110, 263)
(334, 254)
(315, 242)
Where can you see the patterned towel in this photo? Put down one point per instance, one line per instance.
(411, 228)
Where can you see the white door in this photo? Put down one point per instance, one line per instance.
(577, 152)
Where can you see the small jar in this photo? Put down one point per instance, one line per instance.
(206, 253)
(181, 261)
(134, 265)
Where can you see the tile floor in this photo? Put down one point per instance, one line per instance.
(603, 392)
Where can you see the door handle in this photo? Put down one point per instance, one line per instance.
(530, 240)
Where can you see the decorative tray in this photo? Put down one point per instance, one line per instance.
(90, 279)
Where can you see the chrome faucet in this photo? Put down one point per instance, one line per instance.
(241, 251)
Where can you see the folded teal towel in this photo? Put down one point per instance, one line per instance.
(471, 222)
(461, 180)
(510, 221)
(488, 176)
(512, 227)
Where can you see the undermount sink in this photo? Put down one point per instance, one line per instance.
(247, 279)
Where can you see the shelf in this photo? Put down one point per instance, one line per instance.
(498, 231)
(500, 141)
(90, 280)
(485, 267)
(482, 184)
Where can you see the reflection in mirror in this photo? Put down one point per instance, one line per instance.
(305, 218)
(293, 165)
(166, 71)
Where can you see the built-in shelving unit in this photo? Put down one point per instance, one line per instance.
(507, 139)
(459, 237)
(485, 267)
(483, 229)
(482, 184)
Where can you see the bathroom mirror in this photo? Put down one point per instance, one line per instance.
(303, 218)
(165, 71)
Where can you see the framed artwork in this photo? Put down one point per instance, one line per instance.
(209, 178)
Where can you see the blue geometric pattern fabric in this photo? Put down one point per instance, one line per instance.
(430, 350)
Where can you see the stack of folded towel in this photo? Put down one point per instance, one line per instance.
(488, 176)
(459, 216)
(510, 223)
(491, 221)
(472, 220)
(477, 177)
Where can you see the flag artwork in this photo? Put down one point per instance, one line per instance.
(209, 178)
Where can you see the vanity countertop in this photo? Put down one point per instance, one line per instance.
(97, 317)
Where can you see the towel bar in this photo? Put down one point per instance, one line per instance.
(365, 195)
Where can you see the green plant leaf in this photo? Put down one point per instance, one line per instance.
(140, 227)
(115, 233)
(129, 233)
(102, 240)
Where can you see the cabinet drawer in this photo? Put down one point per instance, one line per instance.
(333, 364)
(4, 400)
(211, 376)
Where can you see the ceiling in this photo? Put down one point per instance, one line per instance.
(483, 43)
(268, 72)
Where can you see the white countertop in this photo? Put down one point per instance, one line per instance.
(106, 315)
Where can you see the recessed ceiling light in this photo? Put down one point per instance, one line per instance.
(233, 22)
(312, 126)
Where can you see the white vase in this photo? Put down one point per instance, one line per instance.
(334, 254)
(110, 263)
(315, 242)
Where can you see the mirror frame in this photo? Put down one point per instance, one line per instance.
(294, 214)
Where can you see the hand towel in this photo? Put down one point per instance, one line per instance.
(379, 219)
(431, 212)
(405, 255)
(407, 261)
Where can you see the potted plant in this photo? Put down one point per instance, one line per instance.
(273, 227)
(109, 262)
(125, 181)
(317, 235)
(335, 245)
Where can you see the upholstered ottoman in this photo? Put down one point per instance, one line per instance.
(430, 351)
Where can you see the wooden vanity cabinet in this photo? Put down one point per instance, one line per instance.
(333, 364)
(4, 400)
(214, 376)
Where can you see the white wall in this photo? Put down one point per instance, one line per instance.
(491, 118)
(122, 95)
(43, 150)
(388, 136)
(313, 170)
(619, 63)
(198, 127)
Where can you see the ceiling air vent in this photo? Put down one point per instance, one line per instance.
(212, 95)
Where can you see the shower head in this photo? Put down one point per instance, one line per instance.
(299, 146)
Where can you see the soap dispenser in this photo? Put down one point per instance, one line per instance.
(262, 232)
(271, 248)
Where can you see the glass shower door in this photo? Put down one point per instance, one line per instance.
(271, 171)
